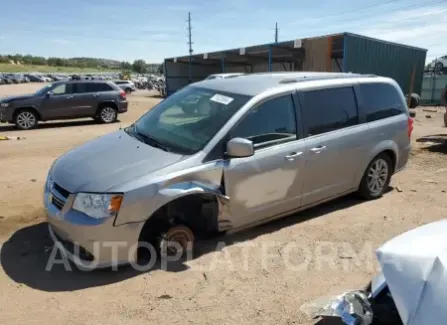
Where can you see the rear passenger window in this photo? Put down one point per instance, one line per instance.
(96, 87)
(270, 123)
(328, 110)
(381, 101)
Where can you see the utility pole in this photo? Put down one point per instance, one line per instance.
(276, 33)
(190, 45)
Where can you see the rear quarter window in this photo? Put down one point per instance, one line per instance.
(97, 87)
(381, 100)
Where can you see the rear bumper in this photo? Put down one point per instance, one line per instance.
(404, 156)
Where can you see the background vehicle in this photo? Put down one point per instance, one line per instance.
(439, 64)
(257, 145)
(126, 85)
(65, 100)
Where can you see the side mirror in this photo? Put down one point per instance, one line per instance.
(48, 94)
(240, 148)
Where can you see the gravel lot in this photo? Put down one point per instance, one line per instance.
(261, 276)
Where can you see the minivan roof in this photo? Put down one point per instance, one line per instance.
(256, 83)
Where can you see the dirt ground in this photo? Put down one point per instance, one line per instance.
(266, 283)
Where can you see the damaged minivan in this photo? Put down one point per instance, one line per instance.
(223, 155)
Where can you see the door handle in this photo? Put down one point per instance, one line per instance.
(318, 149)
(95, 95)
(293, 155)
(70, 97)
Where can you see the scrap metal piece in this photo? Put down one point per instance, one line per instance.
(351, 308)
(414, 265)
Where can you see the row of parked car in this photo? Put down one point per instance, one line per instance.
(18, 78)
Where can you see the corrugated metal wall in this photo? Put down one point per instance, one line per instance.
(366, 55)
(317, 54)
(177, 74)
(432, 89)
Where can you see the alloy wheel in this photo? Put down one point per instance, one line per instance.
(377, 176)
(108, 114)
(26, 120)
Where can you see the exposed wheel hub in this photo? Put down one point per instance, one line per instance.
(177, 240)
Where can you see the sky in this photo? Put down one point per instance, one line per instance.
(153, 30)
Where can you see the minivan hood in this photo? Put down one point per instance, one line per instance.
(108, 161)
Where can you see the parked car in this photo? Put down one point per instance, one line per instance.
(223, 75)
(35, 78)
(438, 64)
(65, 100)
(126, 85)
(258, 147)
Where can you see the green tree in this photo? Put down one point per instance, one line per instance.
(139, 66)
(126, 65)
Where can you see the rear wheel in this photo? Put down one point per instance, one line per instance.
(377, 177)
(26, 119)
(107, 114)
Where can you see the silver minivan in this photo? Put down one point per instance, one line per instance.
(222, 155)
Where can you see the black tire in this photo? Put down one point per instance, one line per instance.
(128, 91)
(366, 186)
(26, 119)
(439, 66)
(413, 102)
(107, 114)
(412, 114)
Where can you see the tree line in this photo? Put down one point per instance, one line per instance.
(138, 66)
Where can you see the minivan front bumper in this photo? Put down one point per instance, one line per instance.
(89, 243)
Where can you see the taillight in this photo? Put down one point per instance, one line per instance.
(123, 94)
(410, 126)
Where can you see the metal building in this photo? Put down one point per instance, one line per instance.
(337, 53)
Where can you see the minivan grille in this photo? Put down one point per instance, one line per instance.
(61, 190)
(58, 203)
(59, 196)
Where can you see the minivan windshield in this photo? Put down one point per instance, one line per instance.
(187, 120)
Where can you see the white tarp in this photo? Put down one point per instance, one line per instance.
(414, 265)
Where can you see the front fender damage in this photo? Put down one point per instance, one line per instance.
(189, 188)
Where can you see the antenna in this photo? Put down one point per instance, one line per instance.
(190, 45)
(276, 32)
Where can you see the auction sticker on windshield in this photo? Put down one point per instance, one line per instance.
(221, 99)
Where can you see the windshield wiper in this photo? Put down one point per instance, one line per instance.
(150, 140)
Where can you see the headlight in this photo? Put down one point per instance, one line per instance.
(98, 206)
(4, 105)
